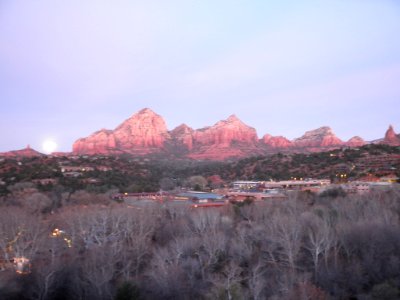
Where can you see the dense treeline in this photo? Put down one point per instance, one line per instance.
(283, 166)
(306, 247)
(128, 174)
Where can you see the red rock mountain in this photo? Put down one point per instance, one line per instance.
(355, 141)
(183, 135)
(227, 138)
(146, 132)
(277, 142)
(27, 152)
(391, 138)
(226, 132)
(319, 138)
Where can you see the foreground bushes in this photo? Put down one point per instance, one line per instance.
(329, 248)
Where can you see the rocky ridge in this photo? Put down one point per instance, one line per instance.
(26, 152)
(322, 137)
(356, 141)
(276, 142)
(391, 138)
(145, 132)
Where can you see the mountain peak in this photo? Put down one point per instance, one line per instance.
(322, 130)
(226, 138)
(26, 152)
(183, 134)
(183, 128)
(391, 138)
(390, 133)
(146, 110)
(233, 118)
(355, 141)
(276, 141)
(145, 132)
(145, 115)
(320, 137)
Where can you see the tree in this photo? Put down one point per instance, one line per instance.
(128, 291)
(167, 184)
(197, 183)
(319, 239)
(227, 283)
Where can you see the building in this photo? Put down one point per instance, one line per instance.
(357, 187)
(65, 169)
(247, 185)
(256, 196)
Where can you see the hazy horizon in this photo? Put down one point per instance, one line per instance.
(68, 69)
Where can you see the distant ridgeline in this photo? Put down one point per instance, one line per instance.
(145, 133)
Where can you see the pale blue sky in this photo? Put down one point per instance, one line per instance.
(69, 68)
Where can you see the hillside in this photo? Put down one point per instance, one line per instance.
(102, 173)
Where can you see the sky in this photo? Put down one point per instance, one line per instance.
(70, 68)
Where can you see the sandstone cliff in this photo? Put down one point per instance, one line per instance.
(227, 138)
(355, 141)
(183, 136)
(277, 142)
(322, 137)
(144, 132)
(391, 138)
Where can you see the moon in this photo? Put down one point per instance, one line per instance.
(49, 146)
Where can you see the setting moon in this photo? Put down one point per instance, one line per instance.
(49, 146)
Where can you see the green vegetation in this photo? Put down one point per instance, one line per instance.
(128, 174)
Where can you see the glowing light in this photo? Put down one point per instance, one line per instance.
(60, 233)
(56, 232)
(69, 242)
(22, 265)
(49, 146)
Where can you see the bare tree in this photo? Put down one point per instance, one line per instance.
(320, 238)
(136, 238)
(21, 234)
(227, 283)
(256, 280)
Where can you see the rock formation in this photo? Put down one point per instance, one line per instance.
(144, 132)
(227, 138)
(355, 141)
(183, 135)
(277, 142)
(391, 138)
(100, 142)
(225, 133)
(26, 152)
(322, 137)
